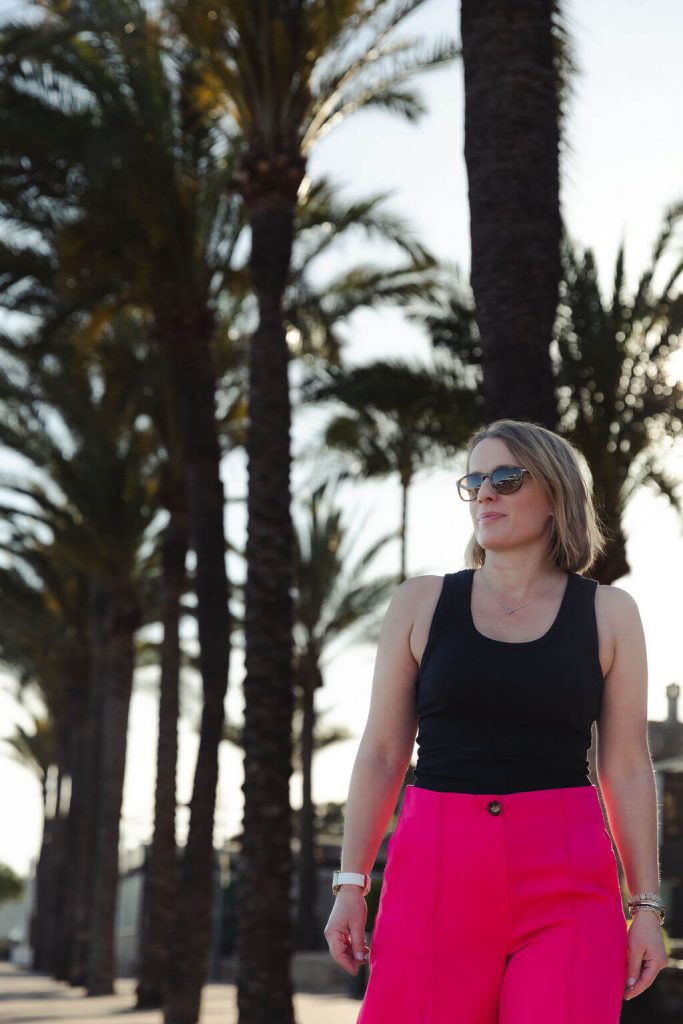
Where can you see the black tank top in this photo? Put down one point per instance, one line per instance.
(499, 717)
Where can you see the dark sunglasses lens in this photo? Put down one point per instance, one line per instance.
(469, 486)
(507, 479)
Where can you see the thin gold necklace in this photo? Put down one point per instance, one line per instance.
(506, 608)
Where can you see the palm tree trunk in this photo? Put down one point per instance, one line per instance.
(265, 930)
(404, 527)
(512, 156)
(57, 868)
(309, 930)
(82, 845)
(41, 910)
(188, 337)
(121, 617)
(73, 744)
(84, 797)
(161, 878)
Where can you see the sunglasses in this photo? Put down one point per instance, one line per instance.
(504, 480)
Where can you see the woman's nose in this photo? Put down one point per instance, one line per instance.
(489, 491)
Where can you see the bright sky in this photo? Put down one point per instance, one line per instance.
(622, 172)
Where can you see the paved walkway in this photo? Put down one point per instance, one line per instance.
(28, 998)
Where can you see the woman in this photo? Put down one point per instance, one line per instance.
(500, 900)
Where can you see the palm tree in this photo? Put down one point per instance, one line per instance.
(161, 876)
(400, 418)
(283, 71)
(320, 215)
(517, 64)
(36, 750)
(617, 397)
(122, 214)
(43, 616)
(332, 601)
(100, 464)
(145, 225)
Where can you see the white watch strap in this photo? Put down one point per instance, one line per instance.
(352, 878)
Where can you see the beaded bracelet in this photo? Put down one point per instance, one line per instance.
(647, 901)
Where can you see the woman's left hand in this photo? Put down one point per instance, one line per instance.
(646, 952)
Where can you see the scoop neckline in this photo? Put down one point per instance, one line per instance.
(545, 638)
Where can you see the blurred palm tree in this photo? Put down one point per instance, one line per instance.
(170, 555)
(332, 600)
(37, 751)
(619, 399)
(285, 72)
(110, 280)
(519, 69)
(132, 191)
(92, 484)
(332, 603)
(401, 419)
(43, 602)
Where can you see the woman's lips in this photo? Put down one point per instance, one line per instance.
(490, 515)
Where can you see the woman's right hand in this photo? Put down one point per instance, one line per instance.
(345, 928)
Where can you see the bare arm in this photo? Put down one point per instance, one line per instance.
(627, 781)
(387, 743)
(623, 760)
(373, 793)
(378, 771)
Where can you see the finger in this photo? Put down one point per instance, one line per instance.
(358, 944)
(341, 949)
(643, 981)
(337, 940)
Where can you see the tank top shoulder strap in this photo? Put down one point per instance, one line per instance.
(446, 610)
(580, 618)
(581, 601)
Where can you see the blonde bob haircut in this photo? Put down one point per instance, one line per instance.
(577, 535)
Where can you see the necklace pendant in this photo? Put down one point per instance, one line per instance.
(508, 611)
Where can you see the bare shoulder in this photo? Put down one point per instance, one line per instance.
(392, 717)
(410, 595)
(615, 604)
(420, 587)
(622, 724)
(423, 598)
(618, 618)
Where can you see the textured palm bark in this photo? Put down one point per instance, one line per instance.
(85, 795)
(162, 867)
(309, 928)
(72, 739)
(403, 529)
(62, 938)
(188, 335)
(40, 918)
(265, 938)
(50, 875)
(79, 880)
(121, 617)
(512, 157)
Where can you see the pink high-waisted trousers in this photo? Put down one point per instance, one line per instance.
(498, 909)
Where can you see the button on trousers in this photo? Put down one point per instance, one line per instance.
(498, 909)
